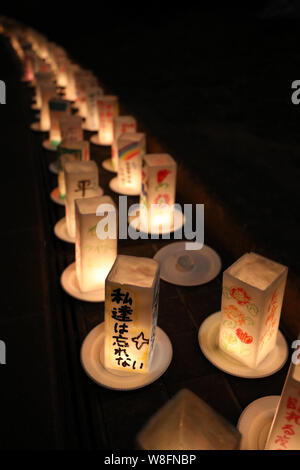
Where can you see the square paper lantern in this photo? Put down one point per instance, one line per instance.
(188, 423)
(253, 289)
(81, 180)
(121, 125)
(94, 256)
(285, 429)
(57, 106)
(108, 108)
(48, 91)
(70, 127)
(39, 78)
(70, 150)
(131, 150)
(92, 118)
(131, 307)
(158, 190)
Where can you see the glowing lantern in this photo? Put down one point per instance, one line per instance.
(131, 149)
(157, 191)
(28, 74)
(121, 125)
(108, 108)
(92, 118)
(131, 307)
(70, 150)
(188, 423)
(81, 180)
(57, 107)
(48, 91)
(285, 429)
(62, 64)
(70, 127)
(39, 78)
(94, 255)
(70, 92)
(253, 289)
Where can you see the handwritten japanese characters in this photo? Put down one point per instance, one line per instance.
(253, 289)
(158, 189)
(285, 429)
(131, 308)
(81, 180)
(131, 150)
(121, 125)
(108, 108)
(70, 127)
(94, 255)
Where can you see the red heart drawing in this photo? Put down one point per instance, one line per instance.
(243, 336)
(161, 175)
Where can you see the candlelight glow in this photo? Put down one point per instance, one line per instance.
(131, 149)
(57, 106)
(121, 125)
(108, 108)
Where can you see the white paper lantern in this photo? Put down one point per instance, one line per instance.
(57, 107)
(70, 150)
(121, 125)
(131, 148)
(108, 108)
(70, 127)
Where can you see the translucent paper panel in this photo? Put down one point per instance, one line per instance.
(108, 108)
(121, 125)
(131, 150)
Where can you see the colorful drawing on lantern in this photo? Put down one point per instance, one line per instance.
(241, 297)
(272, 320)
(243, 336)
(292, 418)
(231, 344)
(129, 151)
(161, 176)
(162, 199)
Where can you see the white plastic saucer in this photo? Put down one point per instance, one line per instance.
(86, 128)
(92, 352)
(107, 165)
(187, 267)
(69, 283)
(36, 127)
(61, 231)
(255, 422)
(53, 167)
(54, 195)
(208, 337)
(134, 222)
(114, 186)
(48, 146)
(95, 140)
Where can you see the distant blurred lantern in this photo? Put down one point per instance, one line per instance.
(84, 80)
(121, 125)
(70, 91)
(157, 197)
(188, 423)
(40, 77)
(81, 181)
(253, 289)
(108, 108)
(69, 150)
(48, 91)
(285, 429)
(94, 255)
(57, 107)
(62, 64)
(131, 308)
(131, 148)
(70, 127)
(92, 119)
(28, 73)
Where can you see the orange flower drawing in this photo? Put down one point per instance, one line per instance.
(240, 295)
(233, 313)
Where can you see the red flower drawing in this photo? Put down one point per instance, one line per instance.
(240, 295)
(162, 199)
(243, 336)
(162, 174)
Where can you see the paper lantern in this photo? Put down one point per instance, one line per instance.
(131, 307)
(57, 107)
(70, 127)
(253, 289)
(94, 256)
(39, 78)
(121, 125)
(131, 149)
(70, 150)
(108, 108)
(81, 181)
(157, 191)
(92, 117)
(188, 423)
(84, 80)
(62, 64)
(48, 91)
(285, 429)
(28, 73)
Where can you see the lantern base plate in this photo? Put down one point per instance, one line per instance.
(92, 352)
(53, 167)
(107, 165)
(36, 127)
(114, 186)
(208, 338)
(255, 422)
(48, 146)
(54, 195)
(95, 140)
(70, 285)
(179, 220)
(187, 267)
(61, 231)
(86, 128)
